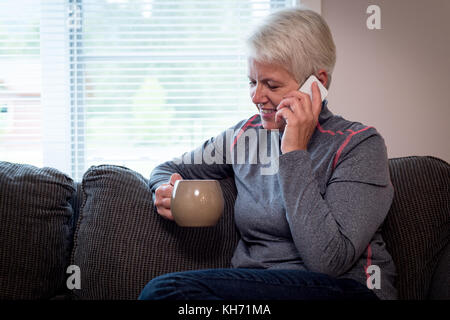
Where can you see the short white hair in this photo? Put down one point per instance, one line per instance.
(297, 39)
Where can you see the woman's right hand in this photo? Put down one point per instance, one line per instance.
(163, 194)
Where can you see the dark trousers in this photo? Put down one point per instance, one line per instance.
(253, 284)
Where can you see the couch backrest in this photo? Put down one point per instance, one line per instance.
(120, 242)
(416, 230)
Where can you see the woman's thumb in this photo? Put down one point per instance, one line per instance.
(174, 177)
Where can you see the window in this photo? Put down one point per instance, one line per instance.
(20, 83)
(125, 82)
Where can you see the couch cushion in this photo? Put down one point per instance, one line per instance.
(35, 231)
(121, 242)
(417, 228)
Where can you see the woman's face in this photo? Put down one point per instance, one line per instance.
(269, 83)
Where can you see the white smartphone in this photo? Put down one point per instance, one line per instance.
(306, 87)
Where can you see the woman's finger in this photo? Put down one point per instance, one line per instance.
(174, 177)
(299, 94)
(301, 109)
(304, 101)
(163, 203)
(165, 213)
(316, 100)
(283, 114)
(164, 191)
(293, 103)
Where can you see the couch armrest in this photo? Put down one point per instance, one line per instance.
(416, 229)
(440, 284)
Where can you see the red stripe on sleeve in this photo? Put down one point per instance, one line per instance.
(345, 143)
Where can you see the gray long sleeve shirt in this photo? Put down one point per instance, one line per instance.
(319, 210)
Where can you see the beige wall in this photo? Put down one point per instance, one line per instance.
(397, 78)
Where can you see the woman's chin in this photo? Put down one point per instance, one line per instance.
(272, 125)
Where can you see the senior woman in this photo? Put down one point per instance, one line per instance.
(312, 229)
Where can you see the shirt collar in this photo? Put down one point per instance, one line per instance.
(325, 113)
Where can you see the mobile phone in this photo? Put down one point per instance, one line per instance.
(306, 87)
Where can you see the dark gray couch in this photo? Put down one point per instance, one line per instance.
(107, 226)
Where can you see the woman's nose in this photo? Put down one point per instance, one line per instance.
(257, 94)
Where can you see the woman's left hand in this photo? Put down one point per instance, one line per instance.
(301, 116)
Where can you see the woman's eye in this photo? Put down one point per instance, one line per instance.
(252, 83)
(272, 87)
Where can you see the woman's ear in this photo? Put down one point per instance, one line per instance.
(322, 75)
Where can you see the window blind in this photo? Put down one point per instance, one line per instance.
(124, 82)
(20, 83)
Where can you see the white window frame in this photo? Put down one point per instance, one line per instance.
(55, 99)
